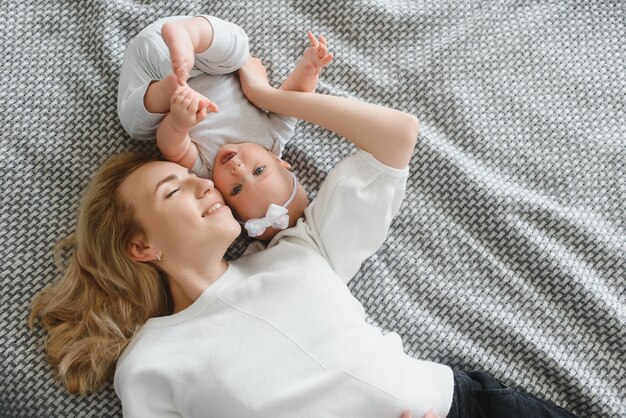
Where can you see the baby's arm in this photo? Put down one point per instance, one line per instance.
(187, 108)
(388, 134)
(304, 76)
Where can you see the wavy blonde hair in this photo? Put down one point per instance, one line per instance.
(103, 297)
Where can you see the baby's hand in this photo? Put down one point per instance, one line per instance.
(316, 56)
(188, 107)
(304, 76)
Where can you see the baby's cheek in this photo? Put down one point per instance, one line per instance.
(221, 187)
(243, 208)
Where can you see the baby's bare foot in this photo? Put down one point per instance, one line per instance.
(181, 49)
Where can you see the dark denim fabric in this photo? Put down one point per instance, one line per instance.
(477, 394)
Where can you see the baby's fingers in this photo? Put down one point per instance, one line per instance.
(326, 60)
(201, 113)
(322, 50)
(190, 104)
(211, 107)
(178, 96)
(312, 39)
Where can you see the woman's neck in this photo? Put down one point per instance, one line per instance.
(187, 284)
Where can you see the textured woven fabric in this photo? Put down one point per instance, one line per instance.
(509, 251)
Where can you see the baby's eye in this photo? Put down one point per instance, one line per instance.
(170, 194)
(259, 170)
(236, 190)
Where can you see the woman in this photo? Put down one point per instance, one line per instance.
(275, 333)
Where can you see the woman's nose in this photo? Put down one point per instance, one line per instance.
(204, 186)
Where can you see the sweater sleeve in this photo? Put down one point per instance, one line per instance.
(351, 216)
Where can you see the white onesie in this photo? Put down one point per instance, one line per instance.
(147, 59)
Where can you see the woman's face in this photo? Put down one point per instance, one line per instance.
(182, 215)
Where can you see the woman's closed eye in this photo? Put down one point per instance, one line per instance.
(170, 194)
(177, 181)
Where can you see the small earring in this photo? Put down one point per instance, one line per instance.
(158, 256)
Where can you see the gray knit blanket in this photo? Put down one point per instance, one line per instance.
(509, 252)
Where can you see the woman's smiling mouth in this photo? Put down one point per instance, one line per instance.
(212, 209)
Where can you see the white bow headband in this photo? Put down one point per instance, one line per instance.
(276, 216)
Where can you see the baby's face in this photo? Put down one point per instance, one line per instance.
(251, 178)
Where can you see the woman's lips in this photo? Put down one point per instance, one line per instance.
(217, 207)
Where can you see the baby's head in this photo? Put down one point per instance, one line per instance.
(251, 178)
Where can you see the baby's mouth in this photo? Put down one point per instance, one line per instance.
(228, 156)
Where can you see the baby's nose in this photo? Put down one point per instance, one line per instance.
(236, 164)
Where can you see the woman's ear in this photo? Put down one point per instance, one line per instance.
(139, 249)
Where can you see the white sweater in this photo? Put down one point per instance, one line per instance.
(280, 334)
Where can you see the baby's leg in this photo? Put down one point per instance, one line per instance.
(145, 85)
(158, 94)
(184, 38)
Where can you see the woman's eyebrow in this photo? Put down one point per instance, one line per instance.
(165, 180)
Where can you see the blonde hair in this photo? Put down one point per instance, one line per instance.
(103, 297)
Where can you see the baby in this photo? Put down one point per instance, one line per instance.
(171, 69)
